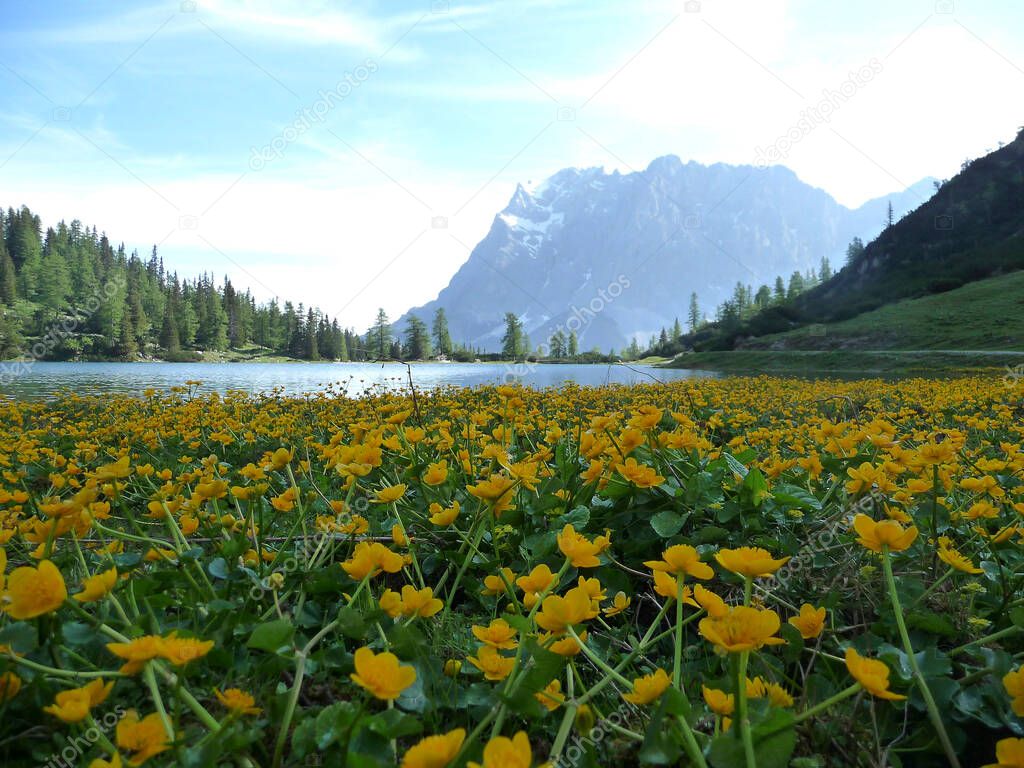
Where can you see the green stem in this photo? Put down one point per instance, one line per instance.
(158, 702)
(987, 639)
(741, 708)
(933, 587)
(926, 694)
(677, 659)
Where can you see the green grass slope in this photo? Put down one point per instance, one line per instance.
(983, 315)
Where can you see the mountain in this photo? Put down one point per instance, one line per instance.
(973, 228)
(615, 256)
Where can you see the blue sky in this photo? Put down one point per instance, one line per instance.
(204, 126)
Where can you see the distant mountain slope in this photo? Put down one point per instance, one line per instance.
(982, 315)
(972, 228)
(633, 246)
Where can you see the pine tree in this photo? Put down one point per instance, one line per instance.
(854, 250)
(796, 285)
(693, 316)
(779, 292)
(574, 344)
(417, 340)
(380, 337)
(169, 338)
(825, 270)
(677, 330)
(557, 344)
(8, 279)
(442, 338)
(10, 340)
(512, 341)
(126, 348)
(311, 345)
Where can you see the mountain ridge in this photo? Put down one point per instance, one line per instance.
(668, 230)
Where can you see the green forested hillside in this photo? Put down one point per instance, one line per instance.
(69, 292)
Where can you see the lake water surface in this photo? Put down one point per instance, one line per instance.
(40, 380)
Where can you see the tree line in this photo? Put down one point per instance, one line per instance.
(69, 293)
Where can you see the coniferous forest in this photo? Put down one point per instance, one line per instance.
(70, 293)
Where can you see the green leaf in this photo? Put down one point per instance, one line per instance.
(393, 724)
(774, 740)
(333, 723)
(218, 568)
(668, 523)
(20, 636)
(272, 636)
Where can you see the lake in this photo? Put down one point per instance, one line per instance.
(42, 380)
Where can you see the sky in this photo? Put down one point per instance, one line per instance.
(349, 155)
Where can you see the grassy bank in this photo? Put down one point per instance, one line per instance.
(851, 362)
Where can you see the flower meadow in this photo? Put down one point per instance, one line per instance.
(731, 572)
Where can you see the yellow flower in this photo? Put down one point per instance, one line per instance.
(113, 762)
(742, 629)
(648, 688)
(73, 706)
(494, 585)
(719, 702)
(955, 559)
(639, 475)
(551, 698)
(497, 635)
(280, 458)
(502, 752)
(681, 559)
(381, 674)
(1013, 681)
(389, 494)
(137, 652)
(496, 491)
(420, 602)
(443, 517)
(452, 667)
(1009, 753)
(759, 688)
(810, 622)
(435, 751)
(436, 473)
(238, 702)
(579, 550)
(10, 684)
(97, 587)
(145, 737)
(33, 592)
(567, 646)
(620, 603)
(370, 558)
(887, 533)
(559, 613)
(182, 650)
(537, 580)
(749, 562)
(710, 602)
(872, 675)
(489, 661)
(667, 585)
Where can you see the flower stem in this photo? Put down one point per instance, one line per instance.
(922, 684)
(741, 708)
